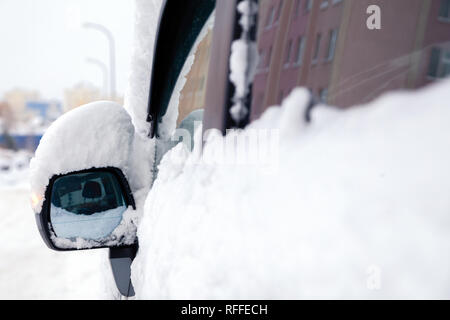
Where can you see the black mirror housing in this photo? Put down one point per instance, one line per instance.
(91, 190)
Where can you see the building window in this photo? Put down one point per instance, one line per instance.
(317, 48)
(297, 7)
(308, 5)
(300, 50)
(270, 17)
(323, 95)
(332, 44)
(444, 12)
(287, 58)
(324, 4)
(439, 63)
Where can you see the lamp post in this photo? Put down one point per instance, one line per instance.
(104, 70)
(112, 54)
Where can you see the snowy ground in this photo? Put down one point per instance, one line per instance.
(28, 269)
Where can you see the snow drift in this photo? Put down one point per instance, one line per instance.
(357, 207)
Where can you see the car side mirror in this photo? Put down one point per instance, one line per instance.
(81, 194)
(87, 209)
(86, 168)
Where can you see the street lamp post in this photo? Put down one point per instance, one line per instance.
(104, 70)
(112, 54)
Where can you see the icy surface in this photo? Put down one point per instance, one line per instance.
(357, 207)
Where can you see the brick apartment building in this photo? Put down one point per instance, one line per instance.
(326, 46)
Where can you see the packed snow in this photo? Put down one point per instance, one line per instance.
(136, 97)
(355, 206)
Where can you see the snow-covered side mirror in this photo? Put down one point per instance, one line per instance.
(86, 208)
(80, 180)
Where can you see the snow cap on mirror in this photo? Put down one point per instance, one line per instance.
(96, 135)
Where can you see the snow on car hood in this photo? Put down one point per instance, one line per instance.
(356, 206)
(96, 135)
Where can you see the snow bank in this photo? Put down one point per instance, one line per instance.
(357, 207)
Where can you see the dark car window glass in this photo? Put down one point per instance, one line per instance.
(343, 59)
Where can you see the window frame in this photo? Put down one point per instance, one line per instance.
(316, 53)
(288, 54)
(301, 42)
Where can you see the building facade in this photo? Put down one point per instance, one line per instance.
(327, 46)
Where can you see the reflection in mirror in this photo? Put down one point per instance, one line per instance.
(86, 205)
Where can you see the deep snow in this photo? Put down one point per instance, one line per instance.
(356, 207)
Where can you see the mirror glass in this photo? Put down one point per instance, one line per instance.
(86, 205)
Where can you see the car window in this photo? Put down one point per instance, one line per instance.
(187, 102)
(192, 96)
(349, 52)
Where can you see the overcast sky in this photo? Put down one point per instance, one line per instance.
(44, 48)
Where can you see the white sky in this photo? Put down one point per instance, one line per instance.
(44, 48)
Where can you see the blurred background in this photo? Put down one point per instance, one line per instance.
(56, 55)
